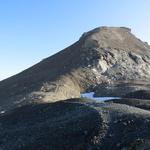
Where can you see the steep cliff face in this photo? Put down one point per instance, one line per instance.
(102, 56)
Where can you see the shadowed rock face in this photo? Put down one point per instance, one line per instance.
(75, 125)
(58, 126)
(140, 103)
(101, 56)
(140, 94)
(128, 89)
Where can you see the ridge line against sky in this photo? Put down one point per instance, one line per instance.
(31, 30)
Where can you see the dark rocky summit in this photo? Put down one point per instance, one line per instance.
(109, 61)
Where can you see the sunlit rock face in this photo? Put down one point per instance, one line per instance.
(120, 54)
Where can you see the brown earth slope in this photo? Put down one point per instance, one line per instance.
(103, 55)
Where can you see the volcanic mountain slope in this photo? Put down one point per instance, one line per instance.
(107, 60)
(101, 56)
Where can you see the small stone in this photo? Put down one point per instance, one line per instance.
(40, 97)
(116, 121)
(129, 122)
(118, 144)
(147, 120)
(124, 123)
(96, 141)
(85, 132)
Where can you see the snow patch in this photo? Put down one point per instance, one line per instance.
(2, 112)
(100, 99)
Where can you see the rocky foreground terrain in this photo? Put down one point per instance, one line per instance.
(41, 108)
(76, 124)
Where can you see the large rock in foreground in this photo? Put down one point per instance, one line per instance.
(75, 125)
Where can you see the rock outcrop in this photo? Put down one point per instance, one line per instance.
(139, 94)
(124, 89)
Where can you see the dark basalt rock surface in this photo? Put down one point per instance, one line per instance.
(126, 89)
(140, 94)
(54, 126)
(140, 103)
(75, 125)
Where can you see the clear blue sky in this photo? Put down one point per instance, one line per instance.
(31, 30)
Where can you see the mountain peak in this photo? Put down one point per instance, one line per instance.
(113, 37)
(106, 32)
(102, 55)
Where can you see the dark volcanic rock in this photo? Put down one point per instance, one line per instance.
(141, 94)
(140, 103)
(57, 126)
(123, 89)
(75, 125)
